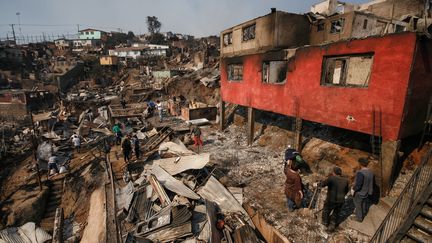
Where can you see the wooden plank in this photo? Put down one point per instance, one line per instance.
(270, 234)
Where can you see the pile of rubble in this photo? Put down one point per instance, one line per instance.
(179, 198)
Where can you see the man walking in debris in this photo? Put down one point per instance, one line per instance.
(123, 103)
(160, 110)
(362, 190)
(195, 132)
(293, 184)
(135, 142)
(76, 142)
(126, 148)
(117, 131)
(337, 189)
(52, 165)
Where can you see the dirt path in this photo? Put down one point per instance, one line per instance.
(95, 229)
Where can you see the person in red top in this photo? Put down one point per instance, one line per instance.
(195, 132)
(293, 185)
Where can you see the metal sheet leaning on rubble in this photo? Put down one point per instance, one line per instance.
(214, 191)
(124, 196)
(173, 184)
(185, 163)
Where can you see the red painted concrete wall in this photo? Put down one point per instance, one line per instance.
(393, 59)
(420, 89)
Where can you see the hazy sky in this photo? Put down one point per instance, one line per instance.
(195, 17)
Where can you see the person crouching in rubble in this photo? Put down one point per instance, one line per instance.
(293, 184)
(195, 132)
(126, 148)
(117, 131)
(338, 187)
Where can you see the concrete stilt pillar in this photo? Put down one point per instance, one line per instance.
(298, 136)
(389, 151)
(251, 125)
(222, 121)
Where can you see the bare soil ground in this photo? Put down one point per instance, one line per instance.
(259, 170)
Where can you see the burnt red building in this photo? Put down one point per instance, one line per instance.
(339, 84)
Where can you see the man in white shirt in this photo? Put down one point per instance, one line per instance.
(160, 110)
(76, 142)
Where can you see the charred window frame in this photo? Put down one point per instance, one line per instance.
(274, 72)
(248, 32)
(347, 71)
(227, 38)
(235, 72)
(337, 26)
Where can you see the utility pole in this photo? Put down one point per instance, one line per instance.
(35, 141)
(13, 32)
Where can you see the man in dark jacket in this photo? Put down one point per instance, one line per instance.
(136, 146)
(363, 189)
(337, 189)
(127, 148)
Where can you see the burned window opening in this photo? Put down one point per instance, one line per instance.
(337, 26)
(227, 39)
(365, 23)
(349, 71)
(249, 32)
(235, 72)
(274, 72)
(399, 28)
(320, 27)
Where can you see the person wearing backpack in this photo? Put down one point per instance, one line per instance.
(298, 161)
(293, 184)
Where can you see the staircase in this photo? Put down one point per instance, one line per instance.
(53, 202)
(421, 228)
(410, 218)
